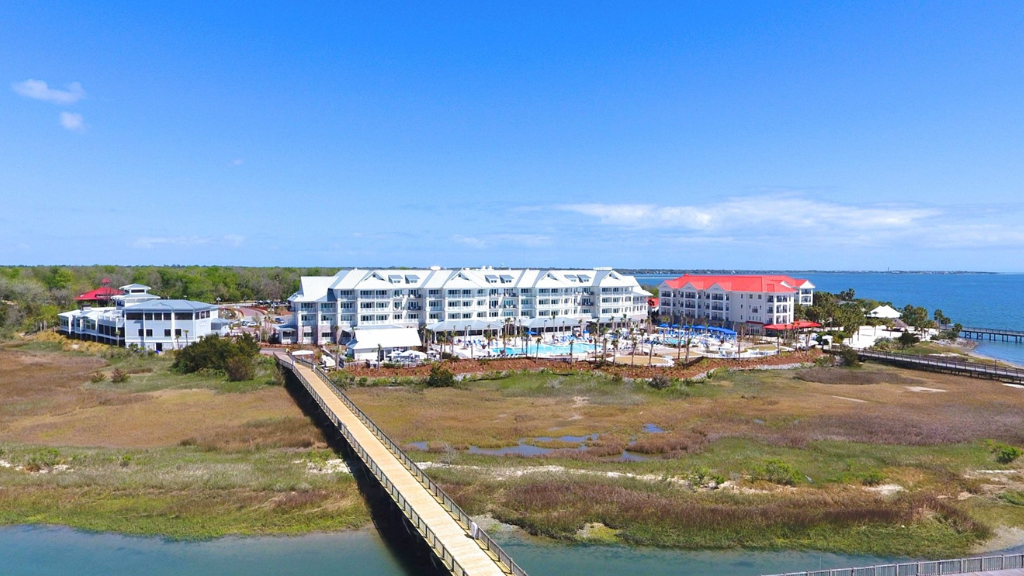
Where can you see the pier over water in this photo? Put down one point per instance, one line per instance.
(462, 547)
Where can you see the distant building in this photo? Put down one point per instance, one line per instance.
(732, 301)
(98, 297)
(143, 319)
(331, 308)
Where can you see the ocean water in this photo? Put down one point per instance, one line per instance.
(982, 300)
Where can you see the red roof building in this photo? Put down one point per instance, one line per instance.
(731, 300)
(100, 295)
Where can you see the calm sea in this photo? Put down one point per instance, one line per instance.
(983, 300)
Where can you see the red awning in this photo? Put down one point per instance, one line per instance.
(798, 325)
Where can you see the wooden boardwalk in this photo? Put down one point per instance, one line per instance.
(994, 334)
(946, 366)
(441, 523)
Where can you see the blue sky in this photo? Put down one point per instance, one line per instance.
(770, 135)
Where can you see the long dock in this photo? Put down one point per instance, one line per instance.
(946, 366)
(993, 334)
(463, 548)
(1007, 565)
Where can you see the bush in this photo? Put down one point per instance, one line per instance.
(98, 377)
(850, 357)
(239, 368)
(42, 459)
(775, 471)
(872, 478)
(119, 376)
(440, 377)
(213, 353)
(906, 340)
(1004, 453)
(660, 382)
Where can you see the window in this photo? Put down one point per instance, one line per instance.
(134, 315)
(182, 315)
(177, 332)
(433, 292)
(149, 332)
(149, 315)
(140, 331)
(167, 332)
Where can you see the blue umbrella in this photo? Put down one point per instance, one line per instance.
(532, 333)
(674, 325)
(663, 325)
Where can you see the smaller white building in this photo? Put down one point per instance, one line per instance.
(143, 319)
(381, 342)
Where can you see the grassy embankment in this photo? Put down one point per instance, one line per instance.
(873, 460)
(161, 454)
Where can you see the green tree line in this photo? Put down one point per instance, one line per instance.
(33, 295)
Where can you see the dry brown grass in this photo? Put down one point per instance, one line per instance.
(44, 399)
(847, 376)
(773, 407)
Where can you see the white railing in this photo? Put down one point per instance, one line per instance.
(505, 561)
(925, 568)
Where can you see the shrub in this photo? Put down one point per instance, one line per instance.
(660, 382)
(98, 377)
(213, 353)
(440, 377)
(1004, 453)
(872, 478)
(239, 368)
(906, 340)
(41, 459)
(850, 357)
(119, 376)
(775, 471)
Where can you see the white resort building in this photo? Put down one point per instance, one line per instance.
(387, 307)
(732, 301)
(145, 320)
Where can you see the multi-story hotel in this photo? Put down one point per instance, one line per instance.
(753, 301)
(331, 308)
(143, 319)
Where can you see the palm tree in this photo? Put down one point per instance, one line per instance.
(538, 341)
(688, 340)
(571, 357)
(632, 353)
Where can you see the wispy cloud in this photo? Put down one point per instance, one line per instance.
(73, 122)
(791, 211)
(490, 241)
(237, 162)
(149, 242)
(799, 218)
(39, 90)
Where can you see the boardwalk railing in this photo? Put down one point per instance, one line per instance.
(946, 365)
(505, 561)
(1003, 334)
(928, 567)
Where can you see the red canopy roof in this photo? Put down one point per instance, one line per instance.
(735, 283)
(798, 325)
(103, 293)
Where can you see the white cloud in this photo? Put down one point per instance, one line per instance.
(529, 240)
(149, 242)
(469, 241)
(788, 210)
(72, 121)
(39, 90)
(795, 219)
(237, 162)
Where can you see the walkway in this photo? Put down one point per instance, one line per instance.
(1008, 565)
(947, 366)
(418, 497)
